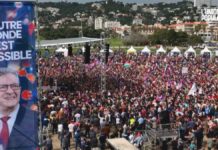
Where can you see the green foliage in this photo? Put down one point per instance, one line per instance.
(170, 37)
(50, 33)
(91, 32)
(148, 18)
(67, 32)
(110, 10)
(136, 39)
(194, 40)
(115, 42)
(125, 20)
(115, 6)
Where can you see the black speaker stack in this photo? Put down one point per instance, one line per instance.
(87, 54)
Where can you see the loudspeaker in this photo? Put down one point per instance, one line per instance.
(107, 47)
(70, 50)
(87, 54)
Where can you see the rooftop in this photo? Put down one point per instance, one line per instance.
(78, 40)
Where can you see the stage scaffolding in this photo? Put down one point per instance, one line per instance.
(103, 83)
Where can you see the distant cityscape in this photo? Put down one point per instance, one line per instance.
(213, 2)
(196, 17)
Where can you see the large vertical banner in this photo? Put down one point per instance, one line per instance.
(18, 87)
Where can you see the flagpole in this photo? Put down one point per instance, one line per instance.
(166, 88)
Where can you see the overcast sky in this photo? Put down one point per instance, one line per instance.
(126, 1)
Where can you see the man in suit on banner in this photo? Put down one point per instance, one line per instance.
(18, 125)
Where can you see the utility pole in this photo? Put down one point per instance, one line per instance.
(81, 32)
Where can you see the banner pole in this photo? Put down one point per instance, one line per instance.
(39, 78)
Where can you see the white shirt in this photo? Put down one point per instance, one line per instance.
(60, 127)
(117, 120)
(11, 121)
(71, 126)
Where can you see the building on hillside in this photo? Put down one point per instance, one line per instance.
(99, 23)
(200, 3)
(186, 18)
(96, 5)
(111, 24)
(188, 27)
(90, 21)
(148, 29)
(62, 21)
(207, 31)
(153, 11)
(161, 18)
(135, 7)
(159, 26)
(54, 11)
(123, 30)
(137, 21)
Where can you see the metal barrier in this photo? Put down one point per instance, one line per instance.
(162, 131)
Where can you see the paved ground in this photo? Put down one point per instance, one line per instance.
(56, 143)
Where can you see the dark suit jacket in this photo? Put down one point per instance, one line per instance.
(24, 133)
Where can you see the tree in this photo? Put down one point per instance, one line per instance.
(51, 33)
(195, 40)
(182, 38)
(170, 37)
(91, 32)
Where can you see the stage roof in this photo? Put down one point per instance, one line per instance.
(58, 42)
(19, 0)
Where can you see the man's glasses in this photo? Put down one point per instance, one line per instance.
(4, 87)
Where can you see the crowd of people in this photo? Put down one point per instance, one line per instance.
(141, 90)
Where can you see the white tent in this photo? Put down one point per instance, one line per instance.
(131, 50)
(83, 49)
(161, 50)
(216, 53)
(146, 50)
(110, 51)
(190, 51)
(62, 50)
(175, 51)
(206, 51)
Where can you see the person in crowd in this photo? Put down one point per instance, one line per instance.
(150, 91)
(102, 141)
(77, 138)
(49, 143)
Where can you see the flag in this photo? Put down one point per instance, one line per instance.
(200, 91)
(164, 71)
(178, 85)
(193, 90)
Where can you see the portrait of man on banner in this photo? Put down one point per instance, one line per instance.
(18, 124)
(18, 84)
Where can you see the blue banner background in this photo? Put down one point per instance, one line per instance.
(23, 12)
